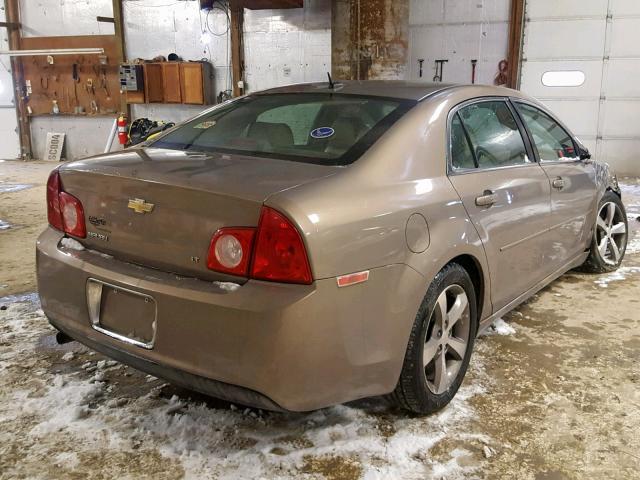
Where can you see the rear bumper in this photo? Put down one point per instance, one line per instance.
(274, 346)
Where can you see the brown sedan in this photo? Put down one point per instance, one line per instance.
(314, 244)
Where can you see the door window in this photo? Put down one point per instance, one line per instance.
(494, 134)
(461, 154)
(550, 139)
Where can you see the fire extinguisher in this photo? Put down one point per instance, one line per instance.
(123, 135)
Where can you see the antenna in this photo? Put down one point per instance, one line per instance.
(331, 84)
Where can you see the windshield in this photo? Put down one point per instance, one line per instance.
(324, 128)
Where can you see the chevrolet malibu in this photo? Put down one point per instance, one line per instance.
(314, 244)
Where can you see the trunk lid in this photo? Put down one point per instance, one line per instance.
(159, 208)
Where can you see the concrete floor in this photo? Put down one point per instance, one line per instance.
(557, 396)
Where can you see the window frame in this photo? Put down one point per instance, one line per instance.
(524, 134)
(515, 101)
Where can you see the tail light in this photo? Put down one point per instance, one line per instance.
(230, 250)
(280, 255)
(274, 251)
(64, 211)
(54, 213)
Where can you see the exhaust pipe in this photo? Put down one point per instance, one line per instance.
(63, 338)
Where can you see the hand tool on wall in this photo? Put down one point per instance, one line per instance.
(89, 87)
(502, 76)
(474, 64)
(420, 62)
(76, 80)
(439, 70)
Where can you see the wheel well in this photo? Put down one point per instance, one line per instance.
(610, 189)
(471, 265)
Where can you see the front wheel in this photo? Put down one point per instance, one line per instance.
(609, 241)
(440, 343)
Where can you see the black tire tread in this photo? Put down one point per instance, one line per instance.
(406, 394)
(593, 263)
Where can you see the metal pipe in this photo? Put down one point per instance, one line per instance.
(58, 51)
(112, 136)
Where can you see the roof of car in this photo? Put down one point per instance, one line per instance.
(378, 88)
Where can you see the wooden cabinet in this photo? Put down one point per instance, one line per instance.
(178, 82)
(193, 80)
(171, 82)
(153, 85)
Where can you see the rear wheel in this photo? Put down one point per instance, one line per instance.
(440, 343)
(609, 241)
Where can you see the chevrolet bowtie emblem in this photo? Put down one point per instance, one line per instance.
(138, 205)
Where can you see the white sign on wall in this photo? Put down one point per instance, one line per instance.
(55, 144)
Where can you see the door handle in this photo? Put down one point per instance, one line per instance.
(487, 199)
(558, 183)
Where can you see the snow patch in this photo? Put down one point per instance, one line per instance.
(13, 187)
(67, 357)
(620, 274)
(500, 327)
(81, 408)
(71, 244)
(227, 286)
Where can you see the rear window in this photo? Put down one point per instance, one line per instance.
(323, 128)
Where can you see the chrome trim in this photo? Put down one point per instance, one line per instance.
(94, 300)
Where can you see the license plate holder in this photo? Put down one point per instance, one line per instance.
(121, 313)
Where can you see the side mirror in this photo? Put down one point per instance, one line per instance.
(584, 154)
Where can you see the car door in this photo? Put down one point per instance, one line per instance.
(572, 181)
(504, 191)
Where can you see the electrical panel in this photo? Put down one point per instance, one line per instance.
(131, 78)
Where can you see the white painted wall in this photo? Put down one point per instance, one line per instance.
(281, 46)
(10, 144)
(287, 46)
(460, 31)
(602, 39)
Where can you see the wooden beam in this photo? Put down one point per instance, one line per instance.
(516, 29)
(12, 9)
(270, 4)
(237, 47)
(118, 22)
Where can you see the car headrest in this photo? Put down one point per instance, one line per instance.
(347, 131)
(270, 135)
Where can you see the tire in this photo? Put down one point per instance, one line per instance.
(420, 389)
(609, 231)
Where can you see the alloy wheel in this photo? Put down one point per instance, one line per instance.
(447, 339)
(611, 233)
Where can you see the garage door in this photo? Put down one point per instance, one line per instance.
(10, 145)
(586, 68)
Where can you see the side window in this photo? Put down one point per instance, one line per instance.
(461, 154)
(551, 140)
(299, 119)
(494, 134)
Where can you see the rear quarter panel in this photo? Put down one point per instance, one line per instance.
(356, 220)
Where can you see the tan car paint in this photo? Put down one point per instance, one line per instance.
(306, 347)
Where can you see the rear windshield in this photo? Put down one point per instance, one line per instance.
(323, 128)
